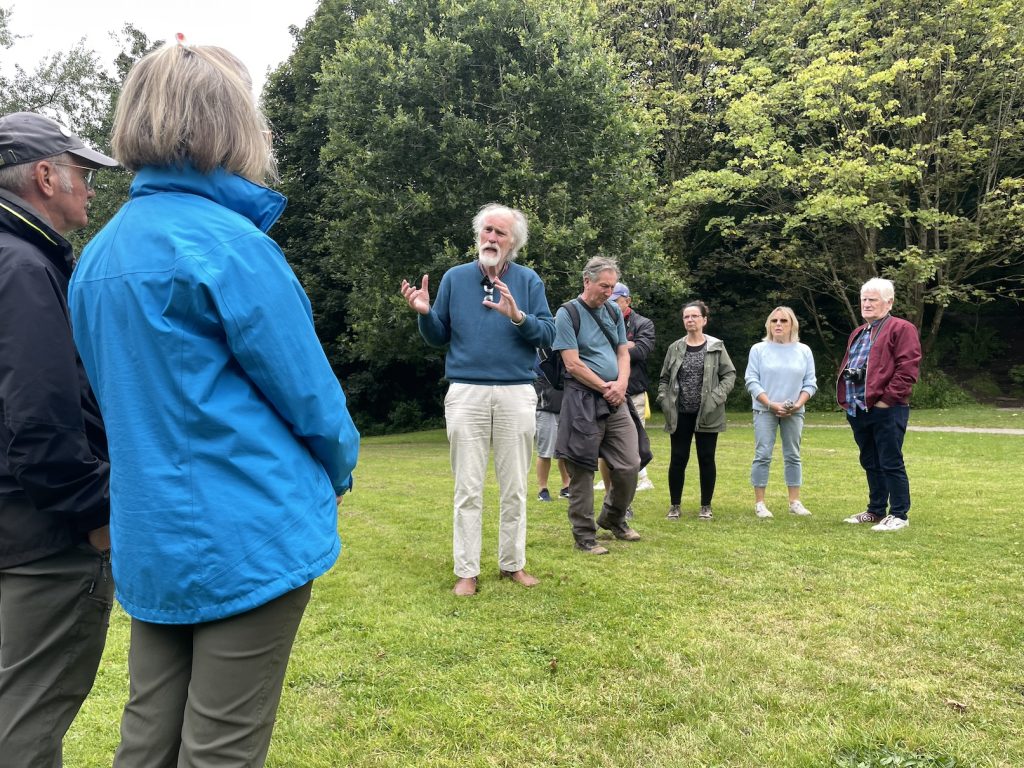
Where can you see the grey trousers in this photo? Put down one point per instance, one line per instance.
(205, 695)
(619, 449)
(54, 614)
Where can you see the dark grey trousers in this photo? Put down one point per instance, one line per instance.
(54, 614)
(619, 449)
(206, 695)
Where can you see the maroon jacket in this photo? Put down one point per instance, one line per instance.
(893, 364)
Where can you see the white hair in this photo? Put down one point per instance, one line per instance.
(881, 286)
(520, 229)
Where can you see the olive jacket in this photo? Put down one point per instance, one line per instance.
(719, 379)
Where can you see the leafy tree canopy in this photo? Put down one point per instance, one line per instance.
(872, 138)
(431, 109)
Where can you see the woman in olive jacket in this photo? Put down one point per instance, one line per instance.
(696, 379)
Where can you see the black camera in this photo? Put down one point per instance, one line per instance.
(854, 375)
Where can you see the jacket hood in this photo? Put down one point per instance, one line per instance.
(261, 205)
(714, 343)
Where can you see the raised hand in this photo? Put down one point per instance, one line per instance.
(417, 298)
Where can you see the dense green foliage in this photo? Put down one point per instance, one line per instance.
(424, 112)
(865, 138)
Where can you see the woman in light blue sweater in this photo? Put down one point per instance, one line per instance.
(780, 379)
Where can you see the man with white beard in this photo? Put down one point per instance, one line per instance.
(493, 315)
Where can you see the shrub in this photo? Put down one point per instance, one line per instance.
(936, 390)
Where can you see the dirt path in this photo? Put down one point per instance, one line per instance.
(912, 428)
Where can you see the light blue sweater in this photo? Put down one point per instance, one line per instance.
(484, 347)
(782, 371)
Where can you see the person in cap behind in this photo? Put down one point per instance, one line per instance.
(55, 585)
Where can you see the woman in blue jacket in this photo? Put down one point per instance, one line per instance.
(229, 435)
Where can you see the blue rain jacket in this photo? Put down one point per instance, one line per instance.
(229, 434)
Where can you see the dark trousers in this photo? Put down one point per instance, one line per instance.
(879, 433)
(54, 614)
(680, 441)
(205, 695)
(619, 449)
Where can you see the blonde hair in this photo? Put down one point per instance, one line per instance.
(794, 325)
(192, 105)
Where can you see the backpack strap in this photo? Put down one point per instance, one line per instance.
(574, 314)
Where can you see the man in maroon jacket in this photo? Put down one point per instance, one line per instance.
(878, 372)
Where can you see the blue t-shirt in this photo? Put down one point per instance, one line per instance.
(594, 348)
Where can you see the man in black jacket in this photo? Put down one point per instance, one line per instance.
(55, 585)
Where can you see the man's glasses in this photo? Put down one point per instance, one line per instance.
(89, 176)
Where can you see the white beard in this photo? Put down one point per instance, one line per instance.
(489, 258)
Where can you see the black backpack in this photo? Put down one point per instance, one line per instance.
(551, 365)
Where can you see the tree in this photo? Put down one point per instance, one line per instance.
(873, 138)
(434, 108)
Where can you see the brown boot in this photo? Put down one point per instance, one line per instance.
(465, 587)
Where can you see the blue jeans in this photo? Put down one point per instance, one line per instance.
(879, 434)
(766, 424)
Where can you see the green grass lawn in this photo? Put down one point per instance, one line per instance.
(736, 642)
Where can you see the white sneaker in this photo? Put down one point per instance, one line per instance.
(599, 485)
(796, 508)
(644, 484)
(890, 523)
(761, 510)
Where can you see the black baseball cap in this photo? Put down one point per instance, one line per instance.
(26, 136)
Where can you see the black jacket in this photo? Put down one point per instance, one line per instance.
(639, 330)
(54, 470)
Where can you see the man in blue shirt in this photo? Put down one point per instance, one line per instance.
(493, 315)
(596, 359)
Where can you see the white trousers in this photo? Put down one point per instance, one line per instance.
(478, 418)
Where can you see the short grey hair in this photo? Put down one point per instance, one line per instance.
(600, 264)
(18, 178)
(881, 286)
(520, 228)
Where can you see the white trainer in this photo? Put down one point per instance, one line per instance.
(891, 523)
(644, 483)
(761, 510)
(599, 485)
(797, 508)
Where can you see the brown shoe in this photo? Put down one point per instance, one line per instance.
(627, 535)
(591, 549)
(521, 577)
(465, 587)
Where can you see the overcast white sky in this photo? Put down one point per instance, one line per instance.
(256, 32)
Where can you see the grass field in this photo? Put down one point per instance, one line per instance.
(736, 642)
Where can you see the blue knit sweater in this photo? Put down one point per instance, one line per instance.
(484, 347)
